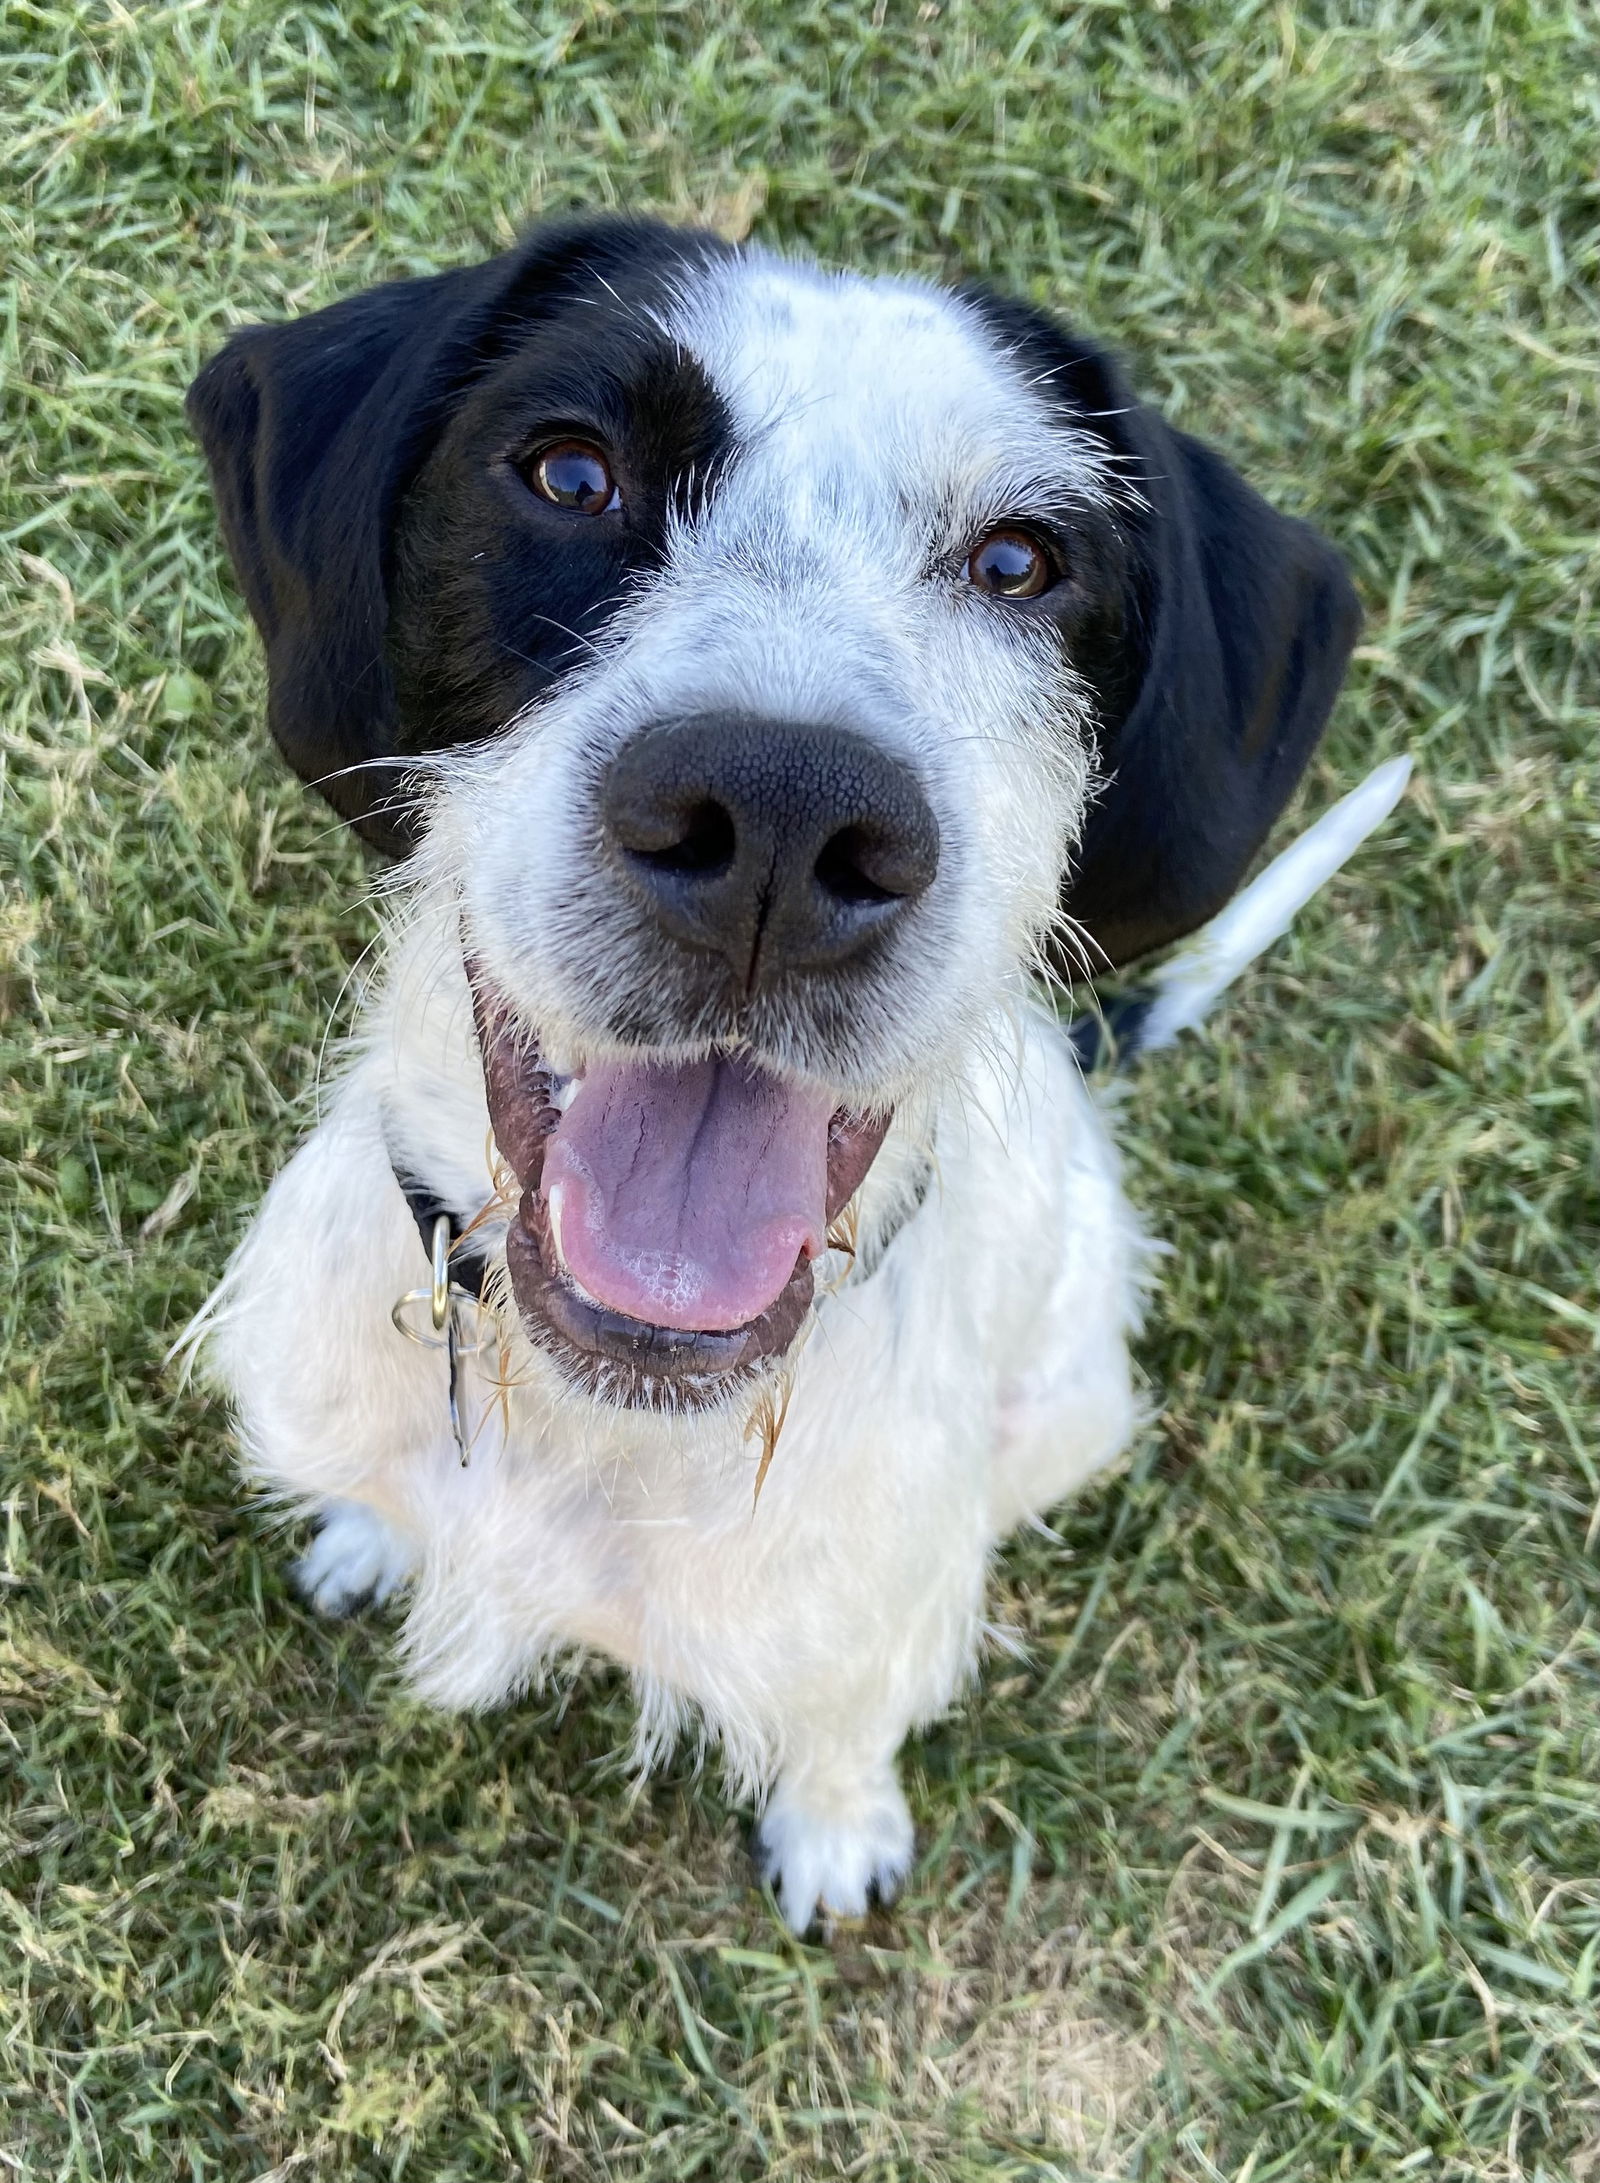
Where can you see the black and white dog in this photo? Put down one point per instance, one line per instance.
(765, 672)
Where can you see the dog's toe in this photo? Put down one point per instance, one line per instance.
(834, 1863)
(355, 1557)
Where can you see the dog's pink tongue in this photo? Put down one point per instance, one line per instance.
(684, 1196)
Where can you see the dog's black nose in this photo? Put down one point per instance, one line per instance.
(777, 845)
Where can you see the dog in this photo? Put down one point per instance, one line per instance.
(770, 678)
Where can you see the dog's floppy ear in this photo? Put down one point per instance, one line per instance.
(312, 430)
(1241, 626)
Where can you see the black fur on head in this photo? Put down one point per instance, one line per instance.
(402, 614)
(318, 433)
(1215, 679)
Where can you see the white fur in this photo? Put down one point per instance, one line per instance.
(976, 1375)
(1185, 988)
(958, 1378)
(356, 1559)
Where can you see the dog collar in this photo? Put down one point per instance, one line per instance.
(455, 1285)
(469, 1269)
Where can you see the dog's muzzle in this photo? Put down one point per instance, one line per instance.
(672, 1211)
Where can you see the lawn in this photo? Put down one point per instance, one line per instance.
(1273, 1850)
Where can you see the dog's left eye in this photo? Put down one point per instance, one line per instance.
(1011, 564)
(573, 474)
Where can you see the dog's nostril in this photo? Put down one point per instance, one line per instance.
(892, 862)
(854, 867)
(701, 841)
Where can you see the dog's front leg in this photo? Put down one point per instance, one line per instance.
(337, 1413)
(836, 1834)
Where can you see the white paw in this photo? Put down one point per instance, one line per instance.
(355, 1556)
(835, 1860)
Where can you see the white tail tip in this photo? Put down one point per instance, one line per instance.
(1184, 989)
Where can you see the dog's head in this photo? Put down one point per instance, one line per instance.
(792, 656)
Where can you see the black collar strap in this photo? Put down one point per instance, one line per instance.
(469, 1269)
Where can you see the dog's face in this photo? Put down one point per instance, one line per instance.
(815, 566)
(762, 632)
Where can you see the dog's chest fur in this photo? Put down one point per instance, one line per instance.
(969, 1379)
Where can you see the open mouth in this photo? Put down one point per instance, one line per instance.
(671, 1213)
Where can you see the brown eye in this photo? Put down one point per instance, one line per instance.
(574, 475)
(1011, 565)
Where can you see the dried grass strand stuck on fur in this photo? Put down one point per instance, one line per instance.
(766, 1424)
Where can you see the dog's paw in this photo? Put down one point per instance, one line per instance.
(355, 1557)
(834, 1862)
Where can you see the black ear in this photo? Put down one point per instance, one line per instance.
(312, 431)
(1235, 639)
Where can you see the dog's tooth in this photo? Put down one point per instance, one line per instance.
(563, 1090)
(552, 1206)
(560, 1062)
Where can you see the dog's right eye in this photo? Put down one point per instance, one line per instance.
(573, 474)
(1011, 564)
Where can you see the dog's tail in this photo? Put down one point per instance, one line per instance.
(1180, 993)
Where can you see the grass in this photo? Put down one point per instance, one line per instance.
(1279, 1854)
